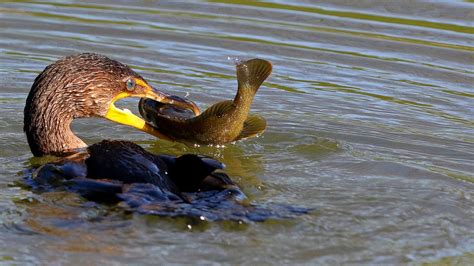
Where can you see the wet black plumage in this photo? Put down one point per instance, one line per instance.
(129, 163)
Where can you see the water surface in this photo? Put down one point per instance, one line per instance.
(370, 122)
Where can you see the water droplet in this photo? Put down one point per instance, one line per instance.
(236, 60)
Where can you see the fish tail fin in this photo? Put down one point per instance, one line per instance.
(252, 73)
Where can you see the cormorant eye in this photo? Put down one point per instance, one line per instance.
(130, 84)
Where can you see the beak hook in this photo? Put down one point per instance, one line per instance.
(174, 100)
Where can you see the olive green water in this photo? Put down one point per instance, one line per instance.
(370, 112)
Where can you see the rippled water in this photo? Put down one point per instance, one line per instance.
(370, 121)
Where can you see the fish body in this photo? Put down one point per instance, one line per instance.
(223, 122)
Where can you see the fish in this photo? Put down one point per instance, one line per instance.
(224, 122)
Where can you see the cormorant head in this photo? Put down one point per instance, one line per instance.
(106, 81)
(84, 85)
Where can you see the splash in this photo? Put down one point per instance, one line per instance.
(237, 61)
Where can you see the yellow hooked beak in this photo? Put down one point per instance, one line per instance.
(126, 117)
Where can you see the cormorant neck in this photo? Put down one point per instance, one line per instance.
(48, 129)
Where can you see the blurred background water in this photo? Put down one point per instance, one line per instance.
(370, 122)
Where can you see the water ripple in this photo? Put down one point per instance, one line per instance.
(370, 122)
